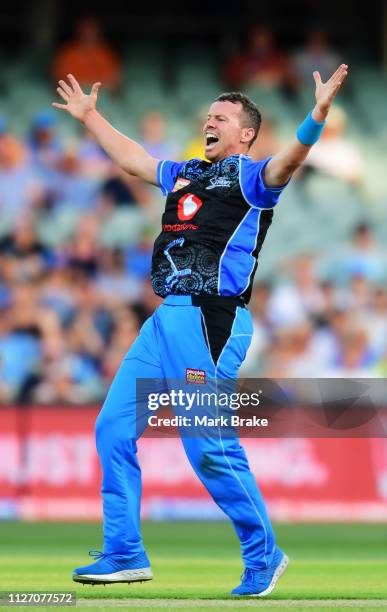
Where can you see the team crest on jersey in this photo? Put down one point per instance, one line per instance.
(221, 181)
(180, 183)
(188, 206)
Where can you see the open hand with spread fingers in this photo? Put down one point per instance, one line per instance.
(78, 104)
(326, 92)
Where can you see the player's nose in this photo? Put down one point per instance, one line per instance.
(210, 124)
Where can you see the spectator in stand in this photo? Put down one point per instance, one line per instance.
(153, 136)
(5, 283)
(302, 361)
(358, 295)
(122, 189)
(299, 297)
(113, 282)
(375, 321)
(45, 146)
(288, 346)
(71, 375)
(93, 160)
(362, 256)
(356, 358)
(262, 329)
(266, 143)
(89, 57)
(84, 250)
(15, 148)
(315, 55)
(57, 293)
(126, 328)
(138, 258)
(325, 342)
(23, 244)
(71, 189)
(20, 187)
(335, 155)
(20, 356)
(29, 323)
(262, 64)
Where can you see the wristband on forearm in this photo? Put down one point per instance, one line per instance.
(310, 130)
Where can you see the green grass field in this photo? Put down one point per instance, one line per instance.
(197, 564)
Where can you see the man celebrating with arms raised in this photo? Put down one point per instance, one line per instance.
(215, 221)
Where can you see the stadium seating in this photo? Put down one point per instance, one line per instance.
(180, 96)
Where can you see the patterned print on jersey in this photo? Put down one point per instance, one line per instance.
(222, 212)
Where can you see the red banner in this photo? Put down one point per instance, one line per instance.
(49, 469)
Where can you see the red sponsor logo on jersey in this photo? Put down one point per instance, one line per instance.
(178, 227)
(188, 206)
(195, 377)
(180, 184)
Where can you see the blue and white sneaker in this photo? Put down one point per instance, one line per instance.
(259, 583)
(114, 568)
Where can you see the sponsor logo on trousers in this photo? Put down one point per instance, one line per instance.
(196, 377)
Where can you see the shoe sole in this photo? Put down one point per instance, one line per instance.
(127, 576)
(277, 574)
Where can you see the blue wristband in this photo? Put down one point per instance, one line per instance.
(310, 130)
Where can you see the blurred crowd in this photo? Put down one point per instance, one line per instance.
(326, 317)
(260, 60)
(70, 306)
(72, 301)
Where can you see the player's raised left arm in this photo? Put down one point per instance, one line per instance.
(281, 167)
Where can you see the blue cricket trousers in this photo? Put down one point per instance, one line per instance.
(174, 338)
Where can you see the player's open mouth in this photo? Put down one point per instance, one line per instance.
(211, 139)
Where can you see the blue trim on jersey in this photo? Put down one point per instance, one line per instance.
(237, 261)
(253, 187)
(167, 172)
(159, 179)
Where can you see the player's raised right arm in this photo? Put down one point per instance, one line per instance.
(127, 153)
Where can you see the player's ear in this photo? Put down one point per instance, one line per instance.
(247, 135)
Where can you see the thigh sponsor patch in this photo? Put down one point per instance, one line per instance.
(196, 377)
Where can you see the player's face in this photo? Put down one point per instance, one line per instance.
(223, 132)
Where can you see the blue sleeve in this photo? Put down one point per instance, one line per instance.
(167, 172)
(254, 190)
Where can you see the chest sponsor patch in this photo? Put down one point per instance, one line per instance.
(188, 206)
(179, 227)
(180, 183)
(196, 377)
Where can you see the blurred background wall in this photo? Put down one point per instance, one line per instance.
(76, 233)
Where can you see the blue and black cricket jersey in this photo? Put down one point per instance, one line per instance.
(215, 221)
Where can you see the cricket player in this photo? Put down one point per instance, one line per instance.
(216, 218)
